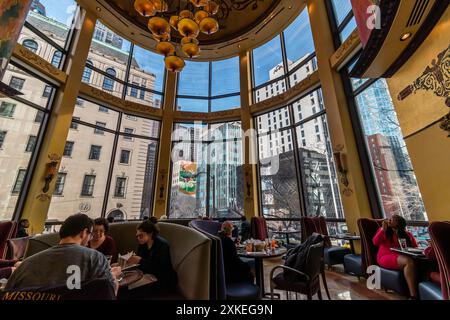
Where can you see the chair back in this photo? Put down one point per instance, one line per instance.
(97, 289)
(258, 227)
(310, 225)
(440, 240)
(209, 227)
(314, 259)
(218, 289)
(8, 230)
(367, 230)
(16, 248)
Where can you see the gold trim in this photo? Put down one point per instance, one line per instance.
(38, 63)
(287, 97)
(345, 50)
(123, 105)
(208, 117)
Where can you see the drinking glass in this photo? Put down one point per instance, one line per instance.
(402, 243)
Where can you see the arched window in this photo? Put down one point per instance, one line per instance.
(31, 45)
(56, 60)
(108, 83)
(87, 72)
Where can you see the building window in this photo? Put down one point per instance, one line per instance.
(128, 132)
(87, 72)
(94, 154)
(56, 59)
(7, 109)
(133, 118)
(79, 103)
(108, 82)
(47, 91)
(68, 148)
(16, 83)
(31, 144)
(142, 94)
(74, 125)
(88, 185)
(98, 124)
(31, 45)
(120, 187)
(39, 116)
(2, 138)
(102, 109)
(134, 90)
(19, 181)
(125, 156)
(60, 181)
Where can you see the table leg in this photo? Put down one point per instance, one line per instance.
(259, 273)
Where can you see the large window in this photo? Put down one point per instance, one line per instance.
(207, 176)
(284, 61)
(123, 69)
(49, 27)
(92, 186)
(296, 164)
(20, 135)
(392, 169)
(344, 21)
(209, 86)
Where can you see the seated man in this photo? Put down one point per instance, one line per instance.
(54, 266)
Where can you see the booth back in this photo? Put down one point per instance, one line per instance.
(310, 225)
(8, 230)
(440, 240)
(40, 243)
(190, 253)
(368, 229)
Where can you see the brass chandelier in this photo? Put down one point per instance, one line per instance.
(196, 17)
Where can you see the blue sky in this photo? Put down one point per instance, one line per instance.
(59, 10)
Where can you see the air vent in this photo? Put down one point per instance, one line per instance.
(417, 13)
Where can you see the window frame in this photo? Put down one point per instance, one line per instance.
(88, 187)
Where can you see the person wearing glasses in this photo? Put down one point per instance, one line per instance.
(51, 267)
(102, 242)
(153, 257)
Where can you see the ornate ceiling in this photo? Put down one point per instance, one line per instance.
(243, 23)
(235, 16)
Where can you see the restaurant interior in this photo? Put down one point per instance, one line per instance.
(311, 135)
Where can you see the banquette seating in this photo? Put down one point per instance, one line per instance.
(390, 279)
(439, 286)
(8, 230)
(219, 289)
(190, 253)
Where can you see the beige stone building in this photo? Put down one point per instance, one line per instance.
(88, 158)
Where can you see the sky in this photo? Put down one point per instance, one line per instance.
(60, 10)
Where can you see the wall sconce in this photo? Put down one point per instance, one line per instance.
(248, 181)
(341, 166)
(51, 171)
(162, 183)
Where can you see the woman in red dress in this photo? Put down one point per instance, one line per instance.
(388, 237)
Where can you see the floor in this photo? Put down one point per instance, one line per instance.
(340, 285)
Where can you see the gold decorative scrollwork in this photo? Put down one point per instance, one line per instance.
(435, 78)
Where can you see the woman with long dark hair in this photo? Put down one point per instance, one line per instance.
(389, 236)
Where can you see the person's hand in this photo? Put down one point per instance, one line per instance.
(116, 271)
(13, 269)
(134, 260)
(385, 225)
(17, 264)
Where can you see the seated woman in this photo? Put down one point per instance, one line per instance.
(153, 257)
(101, 242)
(236, 270)
(388, 237)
